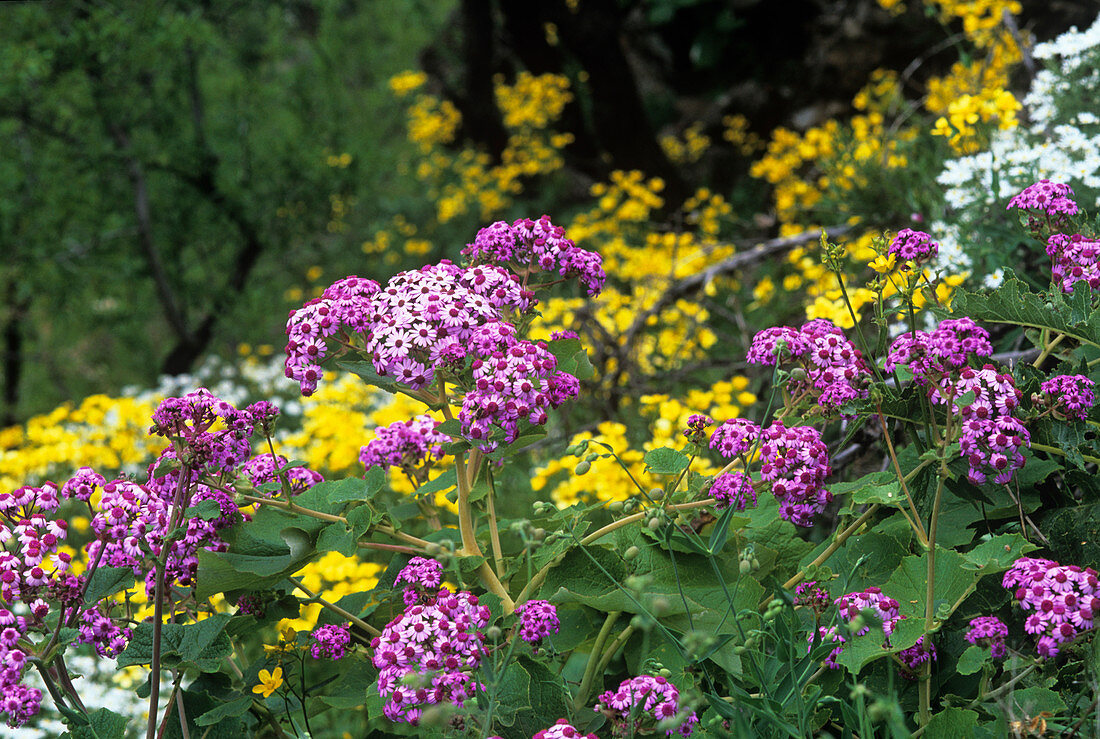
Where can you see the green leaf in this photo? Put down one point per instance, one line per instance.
(203, 644)
(951, 723)
(998, 553)
(877, 487)
(536, 694)
(353, 686)
(207, 510)
(953, 580)
(1033, 701)
(445, 481)
(102, 724)
(1014, 304)
(451, 427)
(351, 488)
(859, 651)
(107, 581)
(972, 660)
(225, 710)
(666, 461)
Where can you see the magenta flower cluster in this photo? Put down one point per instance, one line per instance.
(853, 604)
(538, 619)
(514, 381)
(1068, 396)
(931, 356)
(835, 371)
(424, 577)
(913, 246)
(1063, 601)
(530, 245)
(32, 572)
(733, 490)
(562, 729)
(405, 444)
(794, 460)
(991, 437)
(1074, 258)
(264, 468)
(330, 641)
(640, 703)
(697, 425)
(989, 632)
(428, 654)
(1051, 199)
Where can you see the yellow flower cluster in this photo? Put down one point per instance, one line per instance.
(687, 149)
(101, 432)
(405, 82)
(432, 122)
(607, 480)
(966, 111)
(975, 91)
(468, 180)
(834, 157)
(736, 131)
(332, 577)
(646, 262)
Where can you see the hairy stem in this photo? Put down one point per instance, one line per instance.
(316, 598)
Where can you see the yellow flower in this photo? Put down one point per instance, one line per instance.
(884, 263)
(269, 682)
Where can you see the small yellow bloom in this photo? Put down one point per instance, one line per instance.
(884, 263)
(269, 682)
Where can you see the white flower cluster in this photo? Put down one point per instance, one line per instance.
(1061, 143)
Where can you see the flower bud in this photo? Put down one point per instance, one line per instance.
(582, 468)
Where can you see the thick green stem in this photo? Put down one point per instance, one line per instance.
(925, 687)
(1061, 452)
(915, 522)
(594, 659)
(1047, 349)
(837, 543)
(158, 598)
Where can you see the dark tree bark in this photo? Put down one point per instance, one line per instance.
(480, 118)
(13, 350)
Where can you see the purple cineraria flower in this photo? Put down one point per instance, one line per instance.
(427, 654)
(913, 246)
(697, 425)
(1063, 601)
(796, 462)
(538, 620)
(1053, 199)
(993, 447)
(735, 437)
(835, 372)
(989, 632)
(1074, 259)
(641, 703)
(853, 604)
(733, 490)
(537, 246)
(813, 596)
(915, 656)
(264, 468)
(517, 381)
(190, 419)
(330, 641)
(405, 444)
(1068, 396)
(81, 485)
(930, 356)
(827, 634)
(562, 729)
(423, 575)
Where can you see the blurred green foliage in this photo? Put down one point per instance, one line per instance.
(168, 170)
